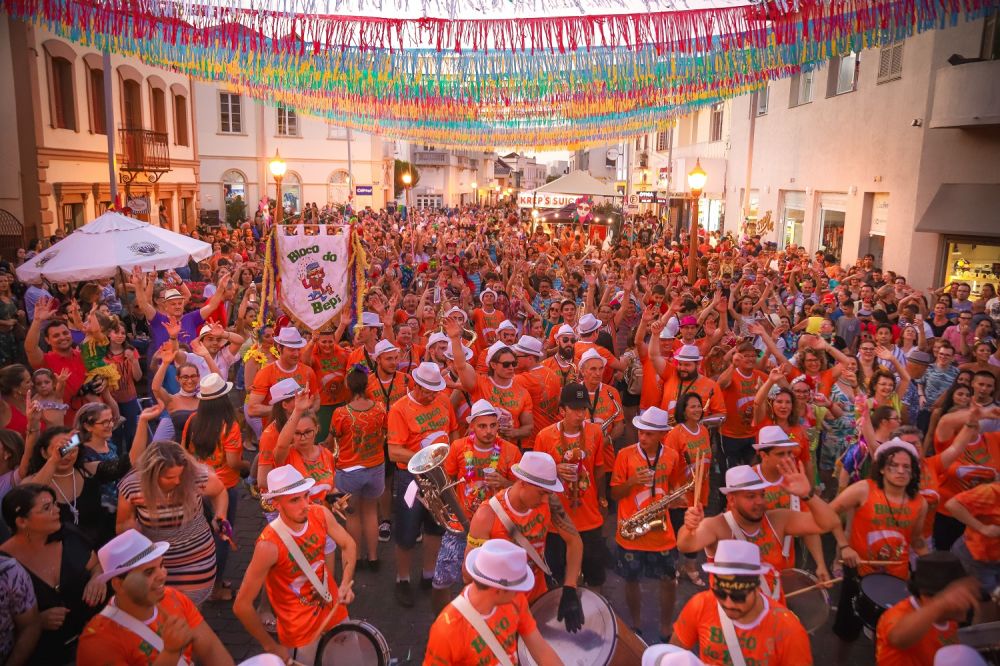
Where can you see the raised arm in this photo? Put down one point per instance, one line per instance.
(466, 373)
(45, 309)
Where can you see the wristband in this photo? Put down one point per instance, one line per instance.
(809, 496)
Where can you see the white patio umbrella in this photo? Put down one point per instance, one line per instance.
(112, 241)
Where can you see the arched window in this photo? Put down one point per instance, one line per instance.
(291, 192)
(158, 103)
(338, 187)
(62, 84)
(234, 184)
(131, 86)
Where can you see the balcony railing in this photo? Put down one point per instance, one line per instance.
(143, 151)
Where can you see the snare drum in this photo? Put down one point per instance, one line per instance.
(879, 593)
(604, 639)
(353, 642)
(812, 607)
(985, 638)
(713, 421)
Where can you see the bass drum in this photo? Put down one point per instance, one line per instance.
(812, 606)
(354, 643)
(879, 593)
(604, 640)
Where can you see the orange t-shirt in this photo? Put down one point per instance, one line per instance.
(453, 641)
(466, 462)
(797, 432)
(580, 503)
(669, 474)
(330, 370)
(688, 445)
(323, 468)
(983, 502)
(605, 405)
(104, 641)
(360, 355)
(386, 393)
(823, 382)
(271, 374)
(301, 611)
(920, 653)
(265, 446)
(543, 385)
(580, 348)
(410, 358)
(739, 399)
(978, 464)
(534, 524)
(485, 324)
(566, 374)
(652, 382)
(883, 532)
(230, 441)
(776, 637)
(930, 477)
(707, 389)
(414, 426)
(510, 402)
(360, 435)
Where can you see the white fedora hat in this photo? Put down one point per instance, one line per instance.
(127, 551)
(591, 355)
(735, 558)
(170, 294)
(653, 418)
(538, 469)
(436, 337)
(466, 351)
(664, 654)
(286, 480)
(773, 437)
(457, 311)
(894, 445)
(564, 330)
(213, 386)
(283, 390)
(527, 344)
(958, 654)
(742, 478)
(494, 349)
(290, 337)
(688, 353)
(505, 325)
(428, 375)
(263, 660)
(499, 563)
(486, 291)
(481, 408)
(588, 324)
(383, 346)
(666, 333)
(371, 319)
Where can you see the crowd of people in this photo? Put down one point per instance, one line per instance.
(600, 411)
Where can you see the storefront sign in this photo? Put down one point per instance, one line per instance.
(138, 205)
(647, 197)
(363, 190)
(880, 214)
(545, 200)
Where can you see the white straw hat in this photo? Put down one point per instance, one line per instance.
(382, 347)
(591, 355)
(893, 445)
(286, 480)
(493, 349)
(688, 353)
(505, 325)
(487, 291)
(371, 319)
(527, 344)
(290, 337)
(263, 660)
(428, 375)
(538, 469)
(735, 558)
(466, 351)
(479, 408)
(664, 654)
(284, 390)
(170, 294)
(743, 478)
(773, 437)
(457, 311)
(501, 564)
(129, 550)
(213, 386)
(436, 337)
(565, 329)
(588, 324)
(653, 418)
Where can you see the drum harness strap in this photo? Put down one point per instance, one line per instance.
(123, 619)
(281, 530)
(740, 535)
(472, 616)
(517, 536)
(732, 641)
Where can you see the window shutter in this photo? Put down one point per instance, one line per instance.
(896, 67)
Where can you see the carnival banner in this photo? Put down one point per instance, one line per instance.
(313, 278)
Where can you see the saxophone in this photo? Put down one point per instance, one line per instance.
(653, 515)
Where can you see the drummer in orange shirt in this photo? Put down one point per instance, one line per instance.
(304, 610)
(911, 632)
(642, 473)
(761, 632)
(500, 576)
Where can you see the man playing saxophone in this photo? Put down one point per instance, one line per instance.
(645, 477)
(480, 463)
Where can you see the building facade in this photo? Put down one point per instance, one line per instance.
(893, 151)
(55, 174)
(451, 178)
(239, 136)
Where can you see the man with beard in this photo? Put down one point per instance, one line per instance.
(912, 631)
(562, 362)
(567, 310)
(387, 384)
(541, 383)
(684, 378)
(749, 520)
(733, 622)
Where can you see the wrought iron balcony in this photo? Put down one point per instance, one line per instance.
(143, 151)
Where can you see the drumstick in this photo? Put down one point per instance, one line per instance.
(697, 479)
(813, 587)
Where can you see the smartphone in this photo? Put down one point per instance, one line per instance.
(74, 442)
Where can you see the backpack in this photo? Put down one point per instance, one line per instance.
(633, 372)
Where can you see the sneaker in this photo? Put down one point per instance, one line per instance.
(404, 594)
(384, 530)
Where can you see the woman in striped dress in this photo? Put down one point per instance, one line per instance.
(162, 498)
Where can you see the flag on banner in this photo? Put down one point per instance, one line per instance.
(312, 271)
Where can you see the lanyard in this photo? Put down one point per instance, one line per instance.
(386, 394)
(368, 360)
(652, 465)
(592, 407)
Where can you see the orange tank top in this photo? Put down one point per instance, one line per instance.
(881, 530)
(534, 525)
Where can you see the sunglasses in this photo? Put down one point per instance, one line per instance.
(738, 596)
(506, 364)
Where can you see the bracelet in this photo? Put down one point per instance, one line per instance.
(812, 493)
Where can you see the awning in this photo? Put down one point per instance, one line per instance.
(963, 209)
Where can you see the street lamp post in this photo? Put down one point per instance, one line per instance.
(278, 168)
(696, 183)
(407, 180)
(475, 191)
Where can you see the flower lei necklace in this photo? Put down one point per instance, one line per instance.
(474, 473)
(255, 353)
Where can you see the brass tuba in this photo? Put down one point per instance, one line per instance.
(653, 515)
(437, 491)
